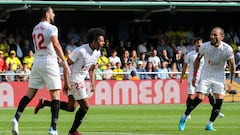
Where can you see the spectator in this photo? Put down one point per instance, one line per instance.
(4, 47)
(141, 68)
(14, 61)
(162, 71)
(25, 72)
(113, 59)
(173, 47)
(118, 72)
(162, 45)
(154, 59)
(26, 47)
(143, 58)
(16, 46)
(150, 70)
(10, 73)
(128, 69)
(134, 58)
(125, 58)
(179, 59)
(103, 60)
(29, 59)
(2, 64)
(182, 47)
(173, 68)
(134, 76)
(237, 58)
(108, 73)
(164, 57)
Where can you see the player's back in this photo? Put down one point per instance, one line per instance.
(42, 34)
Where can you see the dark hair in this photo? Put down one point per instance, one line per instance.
(196, 39)
(94, 33)
(133, 73)
(44, 10)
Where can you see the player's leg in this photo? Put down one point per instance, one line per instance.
(219, 93)
(21, 106)
(55, 107)
(84, 106)
(79, 94)
(67, 106)
(184, 117)
(200, 94)
(196, 101)
(190, 98)
(211, 99)
(52, 78)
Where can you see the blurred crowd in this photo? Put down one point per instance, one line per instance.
(143, 55)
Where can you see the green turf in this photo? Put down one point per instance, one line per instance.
(127, 120)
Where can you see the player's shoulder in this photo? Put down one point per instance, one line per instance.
(83, 48)
(191, 53)
(208, 43)
(226, 45)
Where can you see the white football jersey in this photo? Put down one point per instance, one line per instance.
(190, 59)
(215, 60)
(41, 35)
(83, 57)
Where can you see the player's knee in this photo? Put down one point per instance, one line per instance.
(71, 109)
(85, 108)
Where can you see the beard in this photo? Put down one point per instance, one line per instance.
(214, 42)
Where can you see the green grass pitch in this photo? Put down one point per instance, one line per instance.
(127, 120)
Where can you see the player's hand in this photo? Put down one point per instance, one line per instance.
(194, 82)
(92, 87)
(66, 69)
(66, 88)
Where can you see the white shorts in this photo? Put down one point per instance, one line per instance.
(191, 89)
(45, 73)
(216, 86)
(78, 90)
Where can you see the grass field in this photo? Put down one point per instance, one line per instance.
(127, 120)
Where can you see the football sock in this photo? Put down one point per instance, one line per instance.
(78, 120)
(189, 102)
(211, 99)
(64, 106)
(21, 106)
(47, 103)
(55, 110)
(192, 105)
(216, 109)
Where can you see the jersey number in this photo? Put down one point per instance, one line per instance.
(38, 41)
